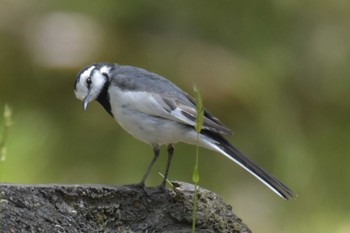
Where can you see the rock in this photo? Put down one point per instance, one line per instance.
(103, 208)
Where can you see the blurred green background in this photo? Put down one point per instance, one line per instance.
(276, 72)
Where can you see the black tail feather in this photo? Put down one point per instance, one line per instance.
(234, 154)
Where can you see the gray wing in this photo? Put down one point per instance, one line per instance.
(188, 115)
(163, 99)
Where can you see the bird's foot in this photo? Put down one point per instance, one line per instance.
(162, 188)
(142, 186)
(139, 185)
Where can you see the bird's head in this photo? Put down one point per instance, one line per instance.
(90, 82)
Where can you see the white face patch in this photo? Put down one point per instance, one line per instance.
(87, 73)
(91, 82)
(81, 87)
(105, 69)
(98, 81)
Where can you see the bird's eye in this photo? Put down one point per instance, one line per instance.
(88, 82)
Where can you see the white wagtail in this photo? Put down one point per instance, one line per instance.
(157, 112)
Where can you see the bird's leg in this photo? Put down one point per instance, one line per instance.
(155, 157)
(170, 156)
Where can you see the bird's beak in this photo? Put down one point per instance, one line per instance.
(86, 101)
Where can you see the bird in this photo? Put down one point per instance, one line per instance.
(157, 112)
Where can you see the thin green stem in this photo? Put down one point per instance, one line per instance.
(4, 133)
(195, 176)
(195, 194)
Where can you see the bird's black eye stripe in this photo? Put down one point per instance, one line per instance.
(88, 82)
(105, 74)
